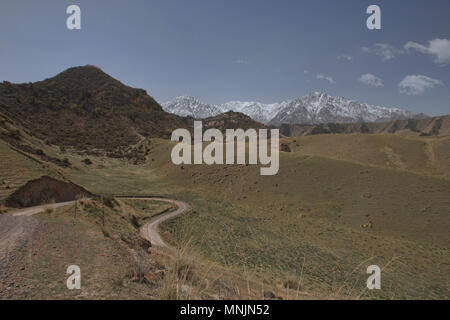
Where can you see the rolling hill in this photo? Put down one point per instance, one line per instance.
(377, 193)
(85, 108)
(429, 126)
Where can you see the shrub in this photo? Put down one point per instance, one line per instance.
(15, 134)
(320, 129)
(109, 202)
(50, 206)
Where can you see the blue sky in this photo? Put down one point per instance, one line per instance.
(222, 50)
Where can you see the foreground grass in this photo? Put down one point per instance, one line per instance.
(115, 262)
(303, 233)
(300, 230)
(107, 248)
(323, 258)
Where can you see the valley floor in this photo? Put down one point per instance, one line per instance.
(309, 232)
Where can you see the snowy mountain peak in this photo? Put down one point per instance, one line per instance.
(314, 108)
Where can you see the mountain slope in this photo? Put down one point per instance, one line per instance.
(314, 108)
(187, 106)
(85, 108)
(435, 126)
(321, 108)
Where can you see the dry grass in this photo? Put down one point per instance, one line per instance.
(49, 206)
(16, 170)
(180, 280)
(313, 210)
(296, 234)
(81, 199)
(140, 267)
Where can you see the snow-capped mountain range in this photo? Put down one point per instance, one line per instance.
(314, 108)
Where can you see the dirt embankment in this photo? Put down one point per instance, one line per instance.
(45, 190)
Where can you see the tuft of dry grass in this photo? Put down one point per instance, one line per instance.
(50, 207)
(81, 199)
(181, 280)
(139, 268)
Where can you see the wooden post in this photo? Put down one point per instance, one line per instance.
(75, 209)
(103, 213)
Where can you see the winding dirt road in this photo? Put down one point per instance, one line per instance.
(150, 230)
(16, 227)
(17, 231)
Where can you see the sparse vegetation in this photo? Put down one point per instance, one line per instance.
(110, 202)
(50, 206)
(339, 202)
(113, 112)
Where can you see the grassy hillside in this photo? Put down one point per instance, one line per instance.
(424, 155)
(16, 169)
(424, 126)
(322, 220)
(334, 208)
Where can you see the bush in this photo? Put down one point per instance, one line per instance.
(320, 129)
(15, 134)
(109, 202)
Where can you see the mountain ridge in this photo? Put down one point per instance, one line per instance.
(314, 108)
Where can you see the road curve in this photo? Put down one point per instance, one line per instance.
(150, 230)
(17, 227)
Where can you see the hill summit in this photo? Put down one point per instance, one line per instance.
(86, 108)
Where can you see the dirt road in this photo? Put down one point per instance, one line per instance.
(20, 240)
(16, 227)
(150, 231)
(16, 230)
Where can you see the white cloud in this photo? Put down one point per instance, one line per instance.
(322, 76)
(305, 71)
(416, 84)
(371, 80)
(241, 61)
(383, 50)
(345, 57)
(439, 48)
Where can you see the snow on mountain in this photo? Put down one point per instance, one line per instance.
(257, 111)
(188, 106)
(317, 107)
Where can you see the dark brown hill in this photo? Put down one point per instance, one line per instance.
(86, 108)
(228, 120)
(44, 190)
